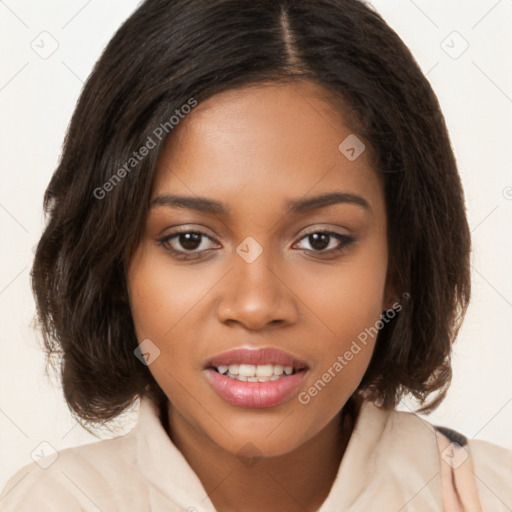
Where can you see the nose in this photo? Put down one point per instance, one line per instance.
(256, 296)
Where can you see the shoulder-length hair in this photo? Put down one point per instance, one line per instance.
(170, 53)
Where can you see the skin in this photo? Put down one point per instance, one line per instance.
(253, 149)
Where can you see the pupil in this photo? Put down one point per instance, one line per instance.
(319, 240)
(190, 241)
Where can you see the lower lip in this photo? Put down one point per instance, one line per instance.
(255, 394)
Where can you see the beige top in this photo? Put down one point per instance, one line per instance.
(394, 462)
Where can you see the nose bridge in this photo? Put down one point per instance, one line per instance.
(254, 294)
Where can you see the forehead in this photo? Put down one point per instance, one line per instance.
(261, 145)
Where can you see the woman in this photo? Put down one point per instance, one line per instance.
(258, 228)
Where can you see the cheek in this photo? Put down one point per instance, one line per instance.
(162, 295)
(162, 299)
(349, 302)
(348, 297)
(352, 314)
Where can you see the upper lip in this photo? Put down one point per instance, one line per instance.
(256, 357)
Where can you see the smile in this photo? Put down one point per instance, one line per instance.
(256, 378)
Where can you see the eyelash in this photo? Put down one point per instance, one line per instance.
(345, 242)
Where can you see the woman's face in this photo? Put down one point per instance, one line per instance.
(250, 264)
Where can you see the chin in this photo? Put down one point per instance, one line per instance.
(270, 437)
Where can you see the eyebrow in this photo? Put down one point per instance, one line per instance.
(205, 205)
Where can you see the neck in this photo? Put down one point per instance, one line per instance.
(296, 481)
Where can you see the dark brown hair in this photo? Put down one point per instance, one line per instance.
(169, 51)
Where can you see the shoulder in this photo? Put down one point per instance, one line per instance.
(87, 477)
(493, 473)
(452, 464)
(480, 465)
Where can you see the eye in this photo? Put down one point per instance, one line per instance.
(192, 244)
(326, 242)
(185, 244)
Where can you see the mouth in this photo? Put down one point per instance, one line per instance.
(256, 365)
(256, 378)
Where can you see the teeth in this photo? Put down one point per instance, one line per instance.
(278, 369)
(255, 373)
(265, 370)
(247, 370)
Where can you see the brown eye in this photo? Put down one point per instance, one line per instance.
(189, 241)
(187, 244)
(319, 241)
(325, 242)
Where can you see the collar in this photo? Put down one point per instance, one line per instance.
(391, 461)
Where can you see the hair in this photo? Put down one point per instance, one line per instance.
(171, 51)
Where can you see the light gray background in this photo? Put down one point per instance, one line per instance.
(38, 92)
